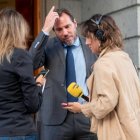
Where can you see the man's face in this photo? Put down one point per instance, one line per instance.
(65, 29)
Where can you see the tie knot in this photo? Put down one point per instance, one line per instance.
(70, 46)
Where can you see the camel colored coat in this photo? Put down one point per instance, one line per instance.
(115, 98)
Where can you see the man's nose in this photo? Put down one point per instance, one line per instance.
(65, 32)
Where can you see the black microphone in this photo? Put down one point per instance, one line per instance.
(76, 91)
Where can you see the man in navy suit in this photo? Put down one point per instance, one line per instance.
(55, 122)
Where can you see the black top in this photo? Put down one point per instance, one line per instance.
(19, 95)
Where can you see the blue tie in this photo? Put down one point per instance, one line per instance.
(70, 72)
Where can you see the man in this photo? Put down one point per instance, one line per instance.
(56, 122)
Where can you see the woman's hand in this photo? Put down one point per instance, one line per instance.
(74, 107)
(40, 80)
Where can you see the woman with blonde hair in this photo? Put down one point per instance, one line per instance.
(114, 86)
(20, 94)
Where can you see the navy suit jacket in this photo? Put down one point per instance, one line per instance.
(50, 53)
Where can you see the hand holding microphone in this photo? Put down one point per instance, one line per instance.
(76, 91)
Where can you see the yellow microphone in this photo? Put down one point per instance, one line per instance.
(76, 91)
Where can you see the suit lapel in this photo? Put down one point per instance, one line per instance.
(60, 50)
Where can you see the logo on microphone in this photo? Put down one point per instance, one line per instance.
(75, 90)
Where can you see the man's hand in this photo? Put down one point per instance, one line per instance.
(50, 20)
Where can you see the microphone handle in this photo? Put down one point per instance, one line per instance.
(85, 98)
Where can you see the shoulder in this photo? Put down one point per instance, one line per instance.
(20, 55)
(20, 52)
(104, 64)
(53, 40)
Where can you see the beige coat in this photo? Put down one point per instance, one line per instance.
(115, 98)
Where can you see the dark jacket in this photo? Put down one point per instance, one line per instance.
(19, 95)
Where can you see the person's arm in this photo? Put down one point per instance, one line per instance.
(37, 50)
(38, 46)
(31, 92)
(105, 91)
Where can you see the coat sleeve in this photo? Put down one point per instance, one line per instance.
(37, 50)
(32, 94)
(105, 90)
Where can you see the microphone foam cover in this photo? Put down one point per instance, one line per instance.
(75, 90)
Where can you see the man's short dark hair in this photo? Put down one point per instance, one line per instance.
(67, 12)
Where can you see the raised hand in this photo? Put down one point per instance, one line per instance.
(50, 20)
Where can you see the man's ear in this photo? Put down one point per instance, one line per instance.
(75, 22)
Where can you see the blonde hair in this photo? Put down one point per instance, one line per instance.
(14, 32)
